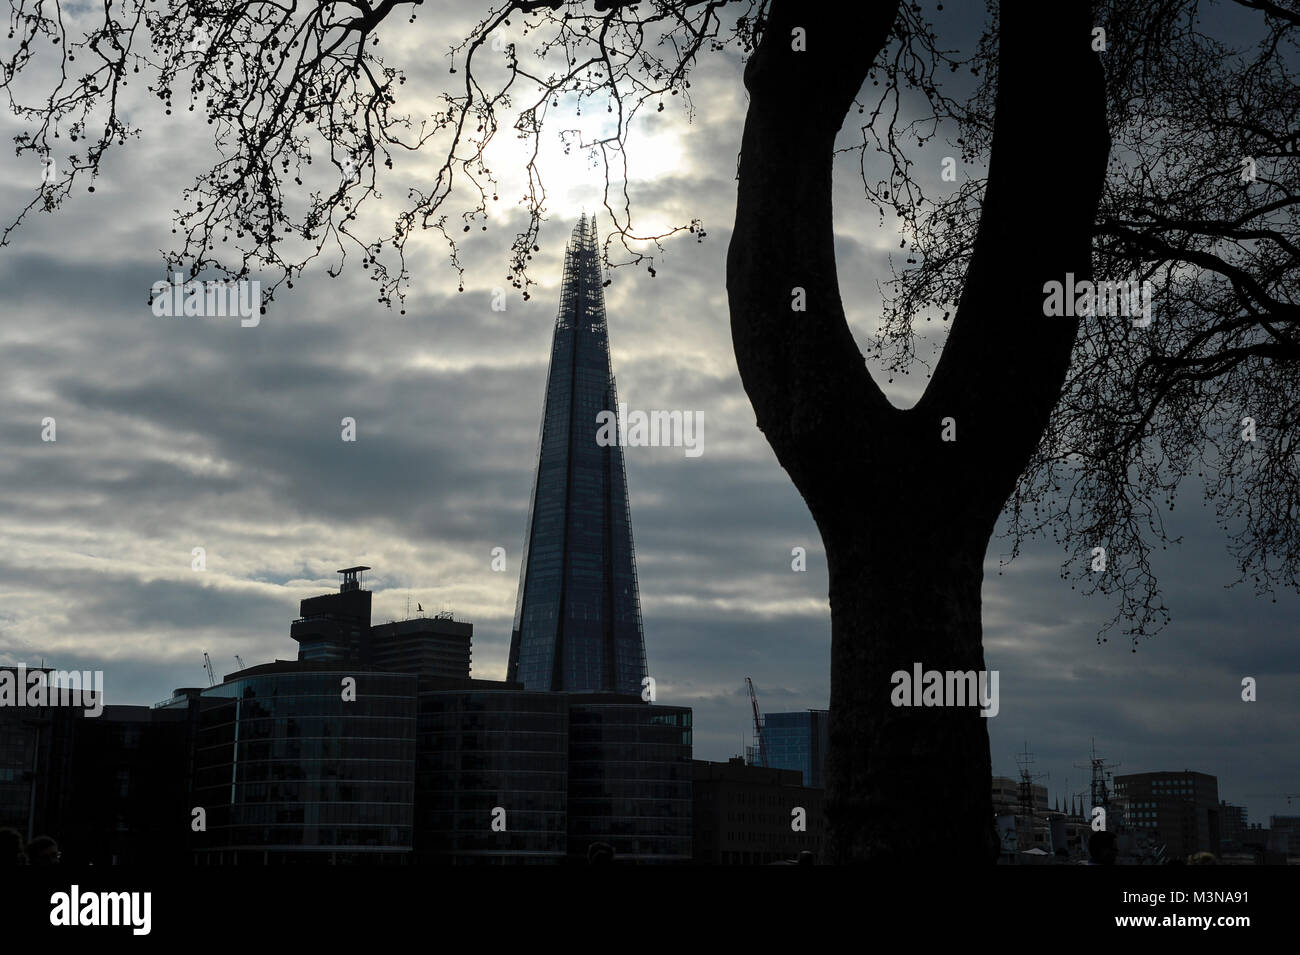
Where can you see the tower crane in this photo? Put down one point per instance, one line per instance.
(758, 724)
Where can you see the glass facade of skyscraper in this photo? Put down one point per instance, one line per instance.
(285, 767)
(491, 776)
(578, 616)
(630, 779)
(798, 741)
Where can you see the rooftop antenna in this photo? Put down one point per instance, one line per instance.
(1099, 791)
(1026, 788)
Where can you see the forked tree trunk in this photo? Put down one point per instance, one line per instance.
(904, 515)
(905, 781)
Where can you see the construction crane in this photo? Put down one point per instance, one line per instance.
(239, 660)
(760, 745)
(207, 665)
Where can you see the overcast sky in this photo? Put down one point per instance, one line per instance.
(182, 433)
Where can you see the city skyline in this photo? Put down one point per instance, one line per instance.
(175, 434)
(1063, 797)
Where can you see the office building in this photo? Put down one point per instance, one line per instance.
(35, 758)
(1232, 827)
(747, 815)
(435, 646)
(491, 774)
(1286, 834)
(629, 778)
(334, 627)
(1033, 828)
(1009, 797)
(376, 747)
(109, 788)
(797, 741)
(128, 801)
(1178, 809)
(305, 762)
(578, 614)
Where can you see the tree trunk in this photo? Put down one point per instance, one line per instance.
(905, 515)
(905, 781)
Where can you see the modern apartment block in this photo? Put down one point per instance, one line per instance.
(1179, 809)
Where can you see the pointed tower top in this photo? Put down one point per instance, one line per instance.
(579, 232)
(584, 234)
(578, 552)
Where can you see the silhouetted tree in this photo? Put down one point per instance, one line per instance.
(1106, 140)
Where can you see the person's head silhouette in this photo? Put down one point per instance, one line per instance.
(1101, 848)
(43, 850)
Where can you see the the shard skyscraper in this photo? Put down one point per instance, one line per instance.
(578, 614)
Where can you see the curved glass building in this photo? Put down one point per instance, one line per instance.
(630, 779)
(289, 771)
(491, 774)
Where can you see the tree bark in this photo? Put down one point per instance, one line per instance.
(904, 515)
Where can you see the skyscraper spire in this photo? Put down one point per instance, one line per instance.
(578, 612)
